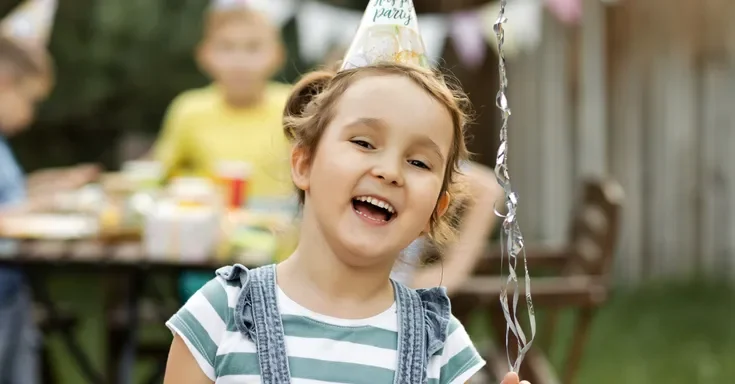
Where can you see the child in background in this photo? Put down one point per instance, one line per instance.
(375, 151)
(237, 117)
(25, 80)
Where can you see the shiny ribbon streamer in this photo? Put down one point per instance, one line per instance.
(512, 231)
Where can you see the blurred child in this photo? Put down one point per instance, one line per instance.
(237, 117)
(25, 80)
(375, 151)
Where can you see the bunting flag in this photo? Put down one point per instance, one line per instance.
(567, 11)
(467, 34)
(322, 27)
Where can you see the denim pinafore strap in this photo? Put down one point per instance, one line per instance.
(423, 317)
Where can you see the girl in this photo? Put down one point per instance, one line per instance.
(375, 150)
(374, 158)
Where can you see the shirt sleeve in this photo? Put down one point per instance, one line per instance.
(12, 182)
(170, 147)
(202, 322)
(459, 359)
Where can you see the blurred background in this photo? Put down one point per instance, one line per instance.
(637, 93)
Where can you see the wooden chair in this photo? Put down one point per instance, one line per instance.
(581, 280)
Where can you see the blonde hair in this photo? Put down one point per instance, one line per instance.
(215, 18)
(310, 108)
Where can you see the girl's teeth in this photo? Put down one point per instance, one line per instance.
(376, 202)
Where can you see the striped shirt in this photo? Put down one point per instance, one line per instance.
(321, 349)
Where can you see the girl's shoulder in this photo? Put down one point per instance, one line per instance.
(458, 360)
(206, 322)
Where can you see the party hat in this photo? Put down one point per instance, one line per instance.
(229, 4)
(389, 32)
(30, 23)
(277, 11)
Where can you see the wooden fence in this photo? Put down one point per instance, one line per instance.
(644, 92)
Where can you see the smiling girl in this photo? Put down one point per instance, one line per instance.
(375, 156)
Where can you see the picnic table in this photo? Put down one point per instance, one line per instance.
(126, 269)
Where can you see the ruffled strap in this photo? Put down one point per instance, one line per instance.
(257, 317)
(437, 313)
(423, 317)
(243, 317)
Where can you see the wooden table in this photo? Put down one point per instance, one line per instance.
(127, 268)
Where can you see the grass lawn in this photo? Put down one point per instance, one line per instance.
(661, 334)
(665, 334)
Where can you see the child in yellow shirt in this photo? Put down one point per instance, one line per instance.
(237, 117)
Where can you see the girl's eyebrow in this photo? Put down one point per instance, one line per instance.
(370, 122)
(426, 142)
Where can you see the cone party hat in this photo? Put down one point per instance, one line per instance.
(389, 32)
(30, 23)
(229, 4)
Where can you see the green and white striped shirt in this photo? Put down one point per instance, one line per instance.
(321, 349)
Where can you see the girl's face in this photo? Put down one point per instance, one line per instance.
(374, 182)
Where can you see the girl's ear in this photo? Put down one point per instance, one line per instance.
(443, 205)
(300, 167)
(441, 208)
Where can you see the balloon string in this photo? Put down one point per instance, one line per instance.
(511, 237)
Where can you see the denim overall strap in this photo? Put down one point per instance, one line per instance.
(257, 317)
(270, 338)
(411, 367)
(423, 319)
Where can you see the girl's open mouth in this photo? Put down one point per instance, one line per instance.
(373, 209)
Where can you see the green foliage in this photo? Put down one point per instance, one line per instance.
(120, 62)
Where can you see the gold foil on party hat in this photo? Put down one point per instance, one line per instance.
(30, 23)
(388, 33)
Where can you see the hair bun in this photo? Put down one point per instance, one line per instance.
(305, 91)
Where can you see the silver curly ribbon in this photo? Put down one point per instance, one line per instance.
(512, 237)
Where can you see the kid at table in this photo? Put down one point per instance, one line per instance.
(376, 148)
(237, 117)
(25, 80)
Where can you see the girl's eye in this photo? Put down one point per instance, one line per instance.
(419, 164)
(363, 144)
